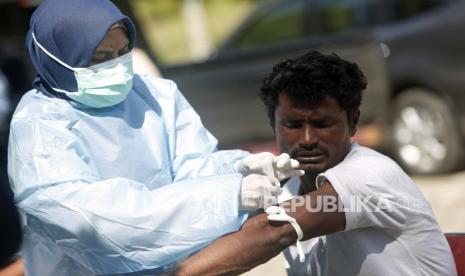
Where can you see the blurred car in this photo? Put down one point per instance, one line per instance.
(426, 68)
(410, 50)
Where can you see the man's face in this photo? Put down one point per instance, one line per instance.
(318, 136)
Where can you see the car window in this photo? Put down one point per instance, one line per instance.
(283, 23)
(344, 15)
(395, 10)
(335, 16)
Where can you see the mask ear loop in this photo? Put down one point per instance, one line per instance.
(50, 55)
(60, 62)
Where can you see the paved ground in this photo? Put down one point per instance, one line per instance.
(447, 197)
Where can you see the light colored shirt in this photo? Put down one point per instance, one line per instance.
(390, 227)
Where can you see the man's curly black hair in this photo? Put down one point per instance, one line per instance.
(311, 77)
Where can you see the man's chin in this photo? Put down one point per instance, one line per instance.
(313, 168)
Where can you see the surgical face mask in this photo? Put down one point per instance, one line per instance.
(101, 85)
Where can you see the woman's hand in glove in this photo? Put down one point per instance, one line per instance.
(265, 163)
(258, 191)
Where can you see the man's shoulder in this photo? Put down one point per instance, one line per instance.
(369, 160)
(359, 151)
(368, 167)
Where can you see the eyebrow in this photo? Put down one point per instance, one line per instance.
(110, 50)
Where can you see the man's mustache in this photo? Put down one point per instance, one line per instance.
(308, 151)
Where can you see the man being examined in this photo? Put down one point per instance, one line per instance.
(385, 225)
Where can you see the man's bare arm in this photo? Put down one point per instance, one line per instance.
(256, 242)
(260, 240)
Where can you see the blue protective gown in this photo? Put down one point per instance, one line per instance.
(121, 189)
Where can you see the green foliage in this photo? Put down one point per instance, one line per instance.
(159, 8)
(163, 25)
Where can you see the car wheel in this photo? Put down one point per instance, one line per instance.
(425, 137)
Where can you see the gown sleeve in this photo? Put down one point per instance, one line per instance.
(112, 225)
(196, 151)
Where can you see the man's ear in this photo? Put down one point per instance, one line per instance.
(272, 120)
(354, 118)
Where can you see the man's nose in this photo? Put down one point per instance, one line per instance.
(308, 135)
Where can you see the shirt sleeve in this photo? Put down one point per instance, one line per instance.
(370, 192)
(196, 148)
(112, 225)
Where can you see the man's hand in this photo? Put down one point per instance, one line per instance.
(276, 167)
(235, 253)
(257, 191)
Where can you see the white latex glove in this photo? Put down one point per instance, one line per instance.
(285, 167)
(265, 163)
(258, 191)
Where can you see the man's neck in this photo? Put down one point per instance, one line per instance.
(307, 182)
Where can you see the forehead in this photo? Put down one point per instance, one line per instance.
(327, 106)
(114, 38)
